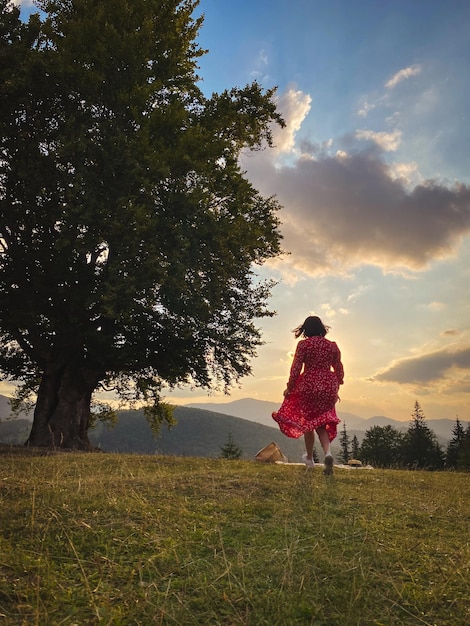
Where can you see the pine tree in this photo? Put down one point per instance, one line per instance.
(463, 460)
(455, 444)
(230, 450)
(421, 449)
(344, 455)
(355, 448)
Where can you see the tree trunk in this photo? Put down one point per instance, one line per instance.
(62, 413)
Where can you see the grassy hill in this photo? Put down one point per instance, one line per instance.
(197, 433)
(109, 539)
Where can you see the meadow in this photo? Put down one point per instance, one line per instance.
(103, 539)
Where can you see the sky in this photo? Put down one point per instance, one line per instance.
(373, 174)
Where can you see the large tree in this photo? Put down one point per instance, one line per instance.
(381, 446)
(128, 232)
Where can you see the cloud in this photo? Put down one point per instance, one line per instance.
(357, 293)
(407, 172)
(458, 385)
(263, 57)
(294, 107)
(345, 209)
(24, 3)
(426, 368)
(403, 74)
(450, 332)
(365, 108)
(387, 141)
(261, 63)
(388, 98)
(328, 310)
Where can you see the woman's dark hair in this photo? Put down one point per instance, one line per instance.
(312, 327)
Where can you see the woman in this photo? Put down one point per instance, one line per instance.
(311, 394)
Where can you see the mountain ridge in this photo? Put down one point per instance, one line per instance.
(260, 411)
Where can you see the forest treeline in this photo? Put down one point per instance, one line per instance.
(416, 448)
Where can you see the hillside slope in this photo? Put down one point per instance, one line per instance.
(197, 433)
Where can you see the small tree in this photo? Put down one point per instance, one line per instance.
(455, 444)
(230, 450)
(463, 460)
(421, 449)
(355, 447)
(344, 442)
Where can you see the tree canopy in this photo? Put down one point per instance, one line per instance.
(381, 446)
(128, 231)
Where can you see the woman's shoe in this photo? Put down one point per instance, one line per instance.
(328, 463)
(308, 462)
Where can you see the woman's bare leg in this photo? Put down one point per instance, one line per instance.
(325, 444)
(307, 458)
(309, 438)
(324, 439)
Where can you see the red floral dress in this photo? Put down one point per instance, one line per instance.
(313, 393)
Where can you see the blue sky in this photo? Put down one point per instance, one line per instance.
(373, 172)
(376, 98)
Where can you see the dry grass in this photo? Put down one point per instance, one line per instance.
(122, 539)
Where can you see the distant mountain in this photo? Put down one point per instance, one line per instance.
(260, 411)
(249, 409)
